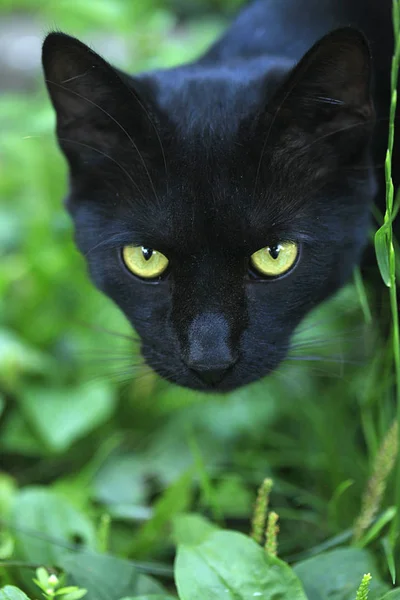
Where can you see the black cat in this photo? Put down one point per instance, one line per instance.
(217, 203)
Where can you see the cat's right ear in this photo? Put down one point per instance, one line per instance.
(97, 106)
(328, 94)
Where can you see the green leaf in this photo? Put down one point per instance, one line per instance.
(12, 593)
(382, 253)
(191, 529)
(390, 559)
(42, 578)
(18, 437)
(121, 481)
(233, 497)
(17, 358)
(338, 493)
(337, 574)
(46, 524)
(107, 577)
(373, 532)
(151, 597)
(70, 589)
(232, 566)
(175, 500)
(8, 490)
(393, 595)
(6, 545)
(75, 595)
(60, 416)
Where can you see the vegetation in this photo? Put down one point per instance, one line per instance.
(105, 469)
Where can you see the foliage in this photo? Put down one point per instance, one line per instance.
(104, 468)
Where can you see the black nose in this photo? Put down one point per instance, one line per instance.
(210, 375)
(209, 352)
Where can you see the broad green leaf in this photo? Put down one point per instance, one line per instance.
(12, 593)
(46, 524)
(60, 416)
(393, 595)
(232, 566)
(191, 529)
(148, 586)
(107, 577)
(121, 481)
(337, 575)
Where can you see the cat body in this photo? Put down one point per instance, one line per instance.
(268, 143)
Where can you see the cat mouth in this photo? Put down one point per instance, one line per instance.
(217, 381)
(229, 382)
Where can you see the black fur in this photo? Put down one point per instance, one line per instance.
(272, 135)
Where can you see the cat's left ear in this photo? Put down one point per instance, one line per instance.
(330, 88)
(98, 107)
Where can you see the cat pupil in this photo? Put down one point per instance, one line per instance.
(274, 251)
(147, 253)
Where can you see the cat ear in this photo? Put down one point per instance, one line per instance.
(97, 106)
(329, 89)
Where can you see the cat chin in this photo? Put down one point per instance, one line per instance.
(224, 387)
(233, 380)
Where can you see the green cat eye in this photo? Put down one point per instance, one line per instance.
(276, 260)
(144, 262)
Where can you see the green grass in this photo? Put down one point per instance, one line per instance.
(88, 454)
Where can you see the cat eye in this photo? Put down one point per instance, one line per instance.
(273, 261)
(144, 262)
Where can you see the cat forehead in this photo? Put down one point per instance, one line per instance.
(198, 97)
(212, 191)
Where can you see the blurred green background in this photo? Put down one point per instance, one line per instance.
(74, 420)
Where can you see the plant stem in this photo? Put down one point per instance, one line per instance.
(392, 257)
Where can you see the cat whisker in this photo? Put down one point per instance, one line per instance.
(317, 322)
(334, 132)
(322, 342)
(348, 128)
(69, 141)
(374, 166)
(110, 361)
(100, 329)
(116, 376)
(137, 99)
(108, 242)
(112, 353)
(326, 359)
(118, 125)
(273, 119)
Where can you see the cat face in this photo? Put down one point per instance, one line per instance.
(217, 207)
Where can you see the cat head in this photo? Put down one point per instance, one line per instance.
(217, 205)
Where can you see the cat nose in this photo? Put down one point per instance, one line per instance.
(209, 353)
(211, 375)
